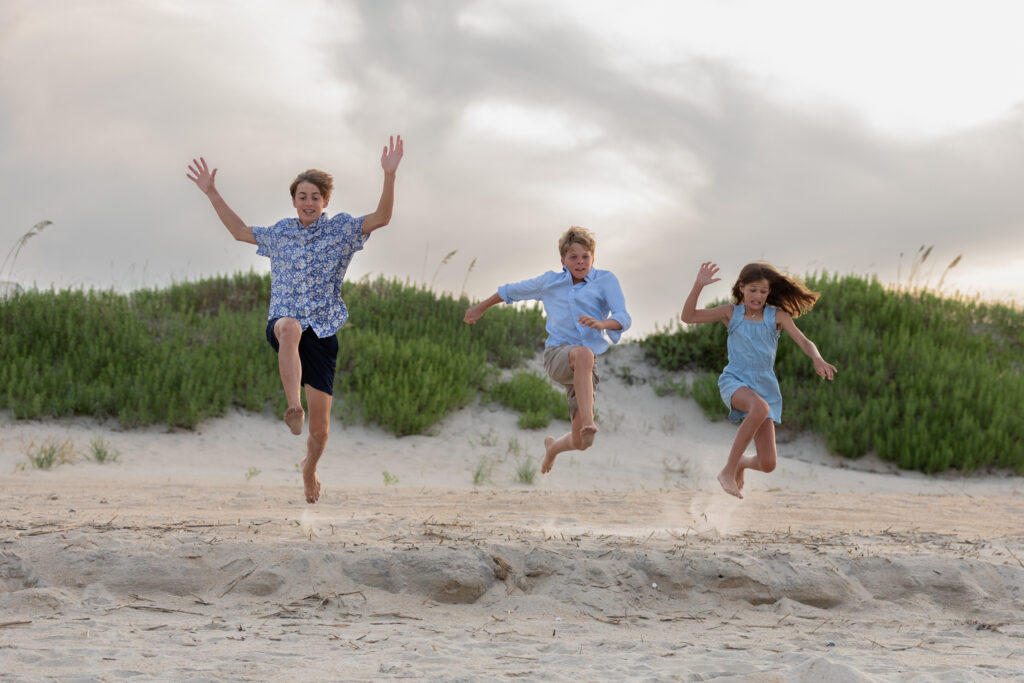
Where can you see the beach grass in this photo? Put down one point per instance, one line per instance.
(537, 401)
(49, 453)
(926, 381)
(191, 351)
(102, 452)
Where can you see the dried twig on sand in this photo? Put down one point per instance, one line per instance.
(234, 583)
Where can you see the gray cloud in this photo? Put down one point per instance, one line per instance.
(702, 160)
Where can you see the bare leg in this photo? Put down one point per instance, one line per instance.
(570, 441)
(288, 333)
(581, 360)
(756, 408)
(767, 455)
(766, 458)
(319, 427)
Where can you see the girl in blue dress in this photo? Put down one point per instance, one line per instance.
(766, 302)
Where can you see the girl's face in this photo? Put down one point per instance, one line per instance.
(755, 295)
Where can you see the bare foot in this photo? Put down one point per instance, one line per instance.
(587, 434)
(294, 417)
(739, 478)
(729, 484)
(549, 457)
(311, 482)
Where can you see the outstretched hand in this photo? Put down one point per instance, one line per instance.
(200, 174)
(706, 274)
(824, 369)
(392, 154)
(473, 313)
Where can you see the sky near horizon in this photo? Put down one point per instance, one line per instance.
(832, 136)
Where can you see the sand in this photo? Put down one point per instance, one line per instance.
(195, 557)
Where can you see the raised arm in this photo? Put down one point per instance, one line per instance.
(200, 174)
(824, 369)
(389, 162)
(718, 314)
(474, 313)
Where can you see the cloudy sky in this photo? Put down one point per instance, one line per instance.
(818, 135)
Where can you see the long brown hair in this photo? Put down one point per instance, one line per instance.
(786, 292)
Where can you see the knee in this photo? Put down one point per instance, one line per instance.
(319, 433)
(288, 330)
(759, 410)
(768, 464)
(582, 358)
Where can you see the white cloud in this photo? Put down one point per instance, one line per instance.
(535, 126)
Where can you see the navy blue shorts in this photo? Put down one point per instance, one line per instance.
(319, 357)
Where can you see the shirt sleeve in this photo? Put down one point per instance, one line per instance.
(525, 290)
(265, 239)
(354, 231)
(617, 303)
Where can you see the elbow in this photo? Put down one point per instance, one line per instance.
(373, 222)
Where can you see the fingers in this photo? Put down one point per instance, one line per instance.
(200, 168)
(707, 272)
(394, 146)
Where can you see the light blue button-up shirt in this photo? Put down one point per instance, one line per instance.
(599, 296)
(307, 267)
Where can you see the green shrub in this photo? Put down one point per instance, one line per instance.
(925, 381)
(534, 397)
(189, 352)
(705, 393)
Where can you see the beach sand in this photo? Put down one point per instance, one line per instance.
(194, 556)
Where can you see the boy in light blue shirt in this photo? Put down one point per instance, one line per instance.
(585, 309)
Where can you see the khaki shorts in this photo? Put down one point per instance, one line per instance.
(556, 364)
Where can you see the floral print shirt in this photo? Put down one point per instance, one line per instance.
(307, 266)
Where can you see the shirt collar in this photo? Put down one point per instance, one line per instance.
(588, 278)
(321, 219)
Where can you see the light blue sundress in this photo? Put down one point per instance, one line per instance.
(752, 345)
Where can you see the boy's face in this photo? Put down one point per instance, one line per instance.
(579, 261)
(308, 202)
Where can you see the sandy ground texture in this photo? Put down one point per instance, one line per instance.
(194, 556)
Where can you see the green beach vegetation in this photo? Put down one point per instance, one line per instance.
(534, 397)
(188, 352)
(926, 381)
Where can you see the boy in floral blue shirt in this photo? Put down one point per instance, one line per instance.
(308, 259)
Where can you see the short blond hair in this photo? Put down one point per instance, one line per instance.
(323, 180)
(576, 235)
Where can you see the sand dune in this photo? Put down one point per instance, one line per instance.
(194, 557)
